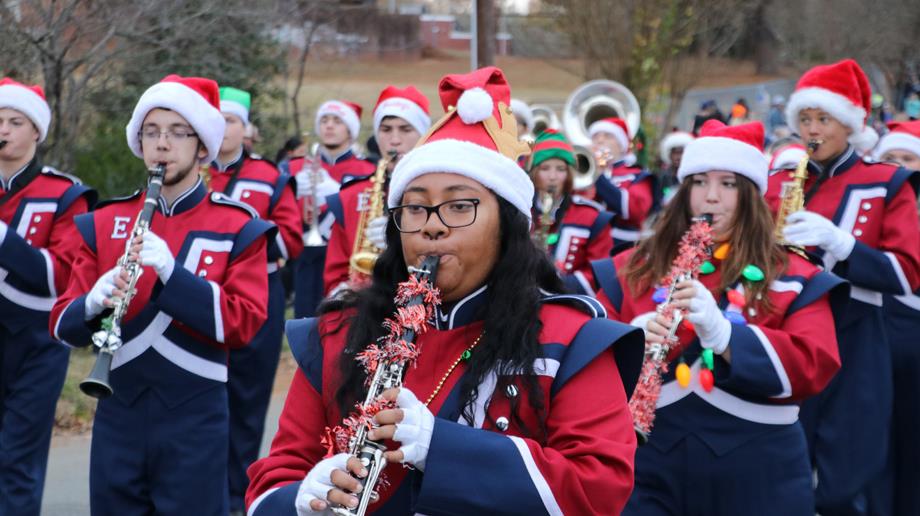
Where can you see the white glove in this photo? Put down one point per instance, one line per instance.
(414, 431)
(102, 290)
(376, 232)
(713, 329)
(156, 254)
(808, 228)
(317, 484)
(3, 228)
(325, 185)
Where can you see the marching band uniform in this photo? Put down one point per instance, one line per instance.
(339, 170)
(667, 179)
(706, 447)
(347, 205)
(867, 215)
(583, 233)
(160, 442)
(37, 207)
(490, 465)
(625, 189)
(255, 181)
(902, 325)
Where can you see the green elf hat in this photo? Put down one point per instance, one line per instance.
(551, 144)
(236, 102)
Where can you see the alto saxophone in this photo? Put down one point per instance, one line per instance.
(792, 197)
(108, 339)
(363, 252)
(387, 367)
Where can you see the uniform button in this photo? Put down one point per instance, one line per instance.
(208, 260)
(863, 219)
(202, 273)
(29, 241)
(858, 232)
(32, 231)
(575, 240)
(511, 391)
(38, 218)
(246, 195)
(573, 248)
(568, 266)
(866, 206)
(502, 423)
(570, 257)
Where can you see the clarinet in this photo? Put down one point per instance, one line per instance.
(386, 364)
(693, 251)
(108, 338)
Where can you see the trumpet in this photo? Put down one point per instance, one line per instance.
(311, 205)
(108, 339)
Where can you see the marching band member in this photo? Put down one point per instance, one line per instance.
(762, 316)
(787, 156)
(160, 443)
(547, 430)
(670, 150)
(572, 229)
(523, 116)
(901, 146)
(337, 125)
(861, 219)
(246, 177)
(401, 117)
(37, 207)
(625, 189)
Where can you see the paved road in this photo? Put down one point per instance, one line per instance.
(67, 485)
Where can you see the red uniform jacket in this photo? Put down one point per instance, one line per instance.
(38, 205)
(344, 209)
(777, 358)
(259, 184)
(582, 236)
(875, 202)
(584, 467)
(175, 335)
(629, 193)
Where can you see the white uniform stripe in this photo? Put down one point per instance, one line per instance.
(546, 494)
(899, 272)
(255, 504)
(218, 316)
(49, 267)
(775, 360)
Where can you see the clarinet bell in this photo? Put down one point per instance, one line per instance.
(97, 384)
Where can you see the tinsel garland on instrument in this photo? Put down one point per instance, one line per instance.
(389, 350)
(693, 250)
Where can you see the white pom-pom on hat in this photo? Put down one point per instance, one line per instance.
(474, 106)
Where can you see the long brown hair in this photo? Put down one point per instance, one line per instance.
(751, 242)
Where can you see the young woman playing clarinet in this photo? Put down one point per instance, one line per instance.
(726, 438)
(572, 229)
(514, 399)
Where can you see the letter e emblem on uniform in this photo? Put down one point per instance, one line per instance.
(120, 229)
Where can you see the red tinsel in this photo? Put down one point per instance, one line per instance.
(692, 252)
(389, 349)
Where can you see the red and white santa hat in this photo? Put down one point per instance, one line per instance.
(28, 100)
(476, 138)
(348, 112)
(787, 156)
(407, 103)
(615, 126)
(902, 136)
(737, 148)
(672, 141)
(842, 90)
(196, 99)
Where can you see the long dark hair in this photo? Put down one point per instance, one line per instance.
(751, 242)
(509, 343)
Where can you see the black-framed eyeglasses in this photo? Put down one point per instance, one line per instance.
(456, 213)
(177, 134)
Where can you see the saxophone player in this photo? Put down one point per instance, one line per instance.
(161, 440)
(337, 126)
(37, 208)
(573, 230)
(401, 117)
(248, 178)
(861, 218)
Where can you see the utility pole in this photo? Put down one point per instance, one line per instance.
(484, 13)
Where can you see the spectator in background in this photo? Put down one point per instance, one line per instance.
(776, 118)
(740, 112)
(708, 111)
(294, 147)
(912, 106)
